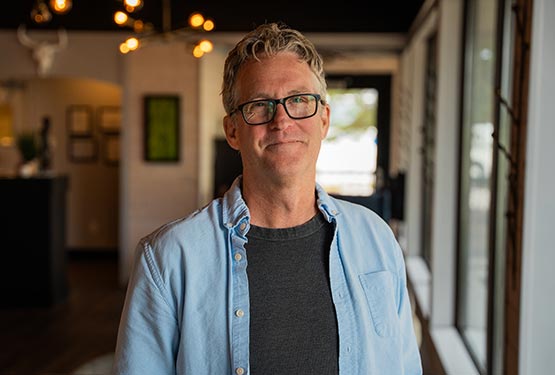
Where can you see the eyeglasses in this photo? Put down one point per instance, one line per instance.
(263, 111)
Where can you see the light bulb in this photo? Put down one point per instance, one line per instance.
(138, 26)
(60, 6)
(133, 3)
(197, 52)
(123, 48)
(120, 18)
(208, 25)
(132, 43)
(206, 46)
(196, 20)
(40, 13)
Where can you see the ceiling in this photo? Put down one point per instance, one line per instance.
(347, 16)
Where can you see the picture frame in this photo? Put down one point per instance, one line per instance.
(79, 120)
(161, 128)
(111, 149)
(109, 119)
(83, 150)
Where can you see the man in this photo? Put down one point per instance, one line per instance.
(276, 276)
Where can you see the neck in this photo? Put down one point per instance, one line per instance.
(280, 205)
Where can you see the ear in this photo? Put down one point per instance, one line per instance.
(231, 133)
(325, 121)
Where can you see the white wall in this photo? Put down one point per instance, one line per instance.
(211, 118)
(444, 211)
(92, 198)
(538, 282)
(153, 194)
(87, 55)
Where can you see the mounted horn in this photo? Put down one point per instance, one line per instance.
(43, 51)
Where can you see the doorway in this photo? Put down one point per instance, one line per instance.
(354, 159)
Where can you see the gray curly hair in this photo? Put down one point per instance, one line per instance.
(269, 39)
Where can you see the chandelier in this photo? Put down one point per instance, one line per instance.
(145, 32)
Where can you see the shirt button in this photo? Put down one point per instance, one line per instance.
(239, 313)
(238, 256)
(239, 371)
(243, 226)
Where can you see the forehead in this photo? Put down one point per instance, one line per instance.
(274, 76)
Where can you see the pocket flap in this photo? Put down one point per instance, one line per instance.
(380, 294)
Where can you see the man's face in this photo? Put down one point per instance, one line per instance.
(283, 148)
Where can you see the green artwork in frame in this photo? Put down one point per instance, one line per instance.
(161, 116)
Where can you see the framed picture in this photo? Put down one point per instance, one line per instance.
(109, 119)
(79, 121)
(110, 148)
(161, 128)
(82, 150)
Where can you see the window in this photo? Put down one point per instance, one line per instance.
(478, 116)
(354, 159)
(347, 160)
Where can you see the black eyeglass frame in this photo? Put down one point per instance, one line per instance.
(281, 101)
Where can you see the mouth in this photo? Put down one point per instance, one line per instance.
(283, 142)
(279, 144)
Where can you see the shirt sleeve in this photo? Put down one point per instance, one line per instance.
(148, 333)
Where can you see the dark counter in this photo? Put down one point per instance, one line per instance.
(32, 241)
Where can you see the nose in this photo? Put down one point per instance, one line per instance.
(281, 118)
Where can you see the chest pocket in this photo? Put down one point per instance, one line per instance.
(380, 295)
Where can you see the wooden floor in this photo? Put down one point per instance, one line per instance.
(60, 339)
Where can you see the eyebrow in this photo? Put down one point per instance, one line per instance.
(262, 96)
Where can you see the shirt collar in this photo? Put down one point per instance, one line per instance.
(235, 210)
(326, 204)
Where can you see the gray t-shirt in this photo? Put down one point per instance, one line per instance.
(293, 327)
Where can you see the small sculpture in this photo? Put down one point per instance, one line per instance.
(44, 153)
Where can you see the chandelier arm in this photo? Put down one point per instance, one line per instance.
(166, 16)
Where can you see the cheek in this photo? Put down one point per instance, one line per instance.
(248, 138)
(316, 131)
(256, 134)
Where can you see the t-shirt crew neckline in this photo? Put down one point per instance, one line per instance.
(288, 234)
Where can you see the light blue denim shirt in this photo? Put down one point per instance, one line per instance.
(187, 303)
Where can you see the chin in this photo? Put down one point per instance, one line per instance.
(286, 169)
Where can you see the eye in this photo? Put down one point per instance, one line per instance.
(259, 105)
(255, 106)
(299, 99)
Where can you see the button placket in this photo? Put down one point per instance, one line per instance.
(240, 321)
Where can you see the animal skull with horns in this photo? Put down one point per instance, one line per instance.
(43, 51)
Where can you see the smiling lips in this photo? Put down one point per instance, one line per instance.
(273, 143)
